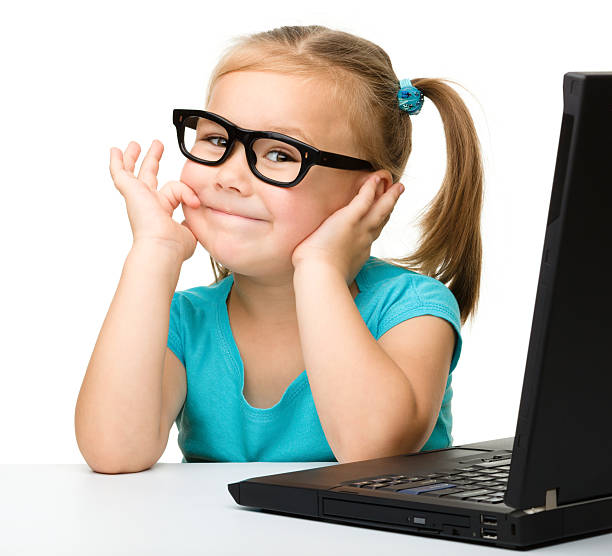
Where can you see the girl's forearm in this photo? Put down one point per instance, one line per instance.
(118, 410)
(363, 399)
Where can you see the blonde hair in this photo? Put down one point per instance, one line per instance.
(362, 82)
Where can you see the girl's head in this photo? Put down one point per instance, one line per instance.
(338, 93)
(294, 106)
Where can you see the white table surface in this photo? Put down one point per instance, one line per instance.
(176, 508)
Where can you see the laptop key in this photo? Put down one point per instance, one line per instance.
(463, 481)
(442, 492)
(489, 483)
(458, 494)
(423, 482)
(498, 488)
(497, 463)
(409, 484)
(423, 489)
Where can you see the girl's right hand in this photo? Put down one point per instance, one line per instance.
(150, 211)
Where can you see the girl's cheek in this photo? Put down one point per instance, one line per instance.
(192, 175)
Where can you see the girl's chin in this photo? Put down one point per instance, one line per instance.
(247, 263)
(235, 260)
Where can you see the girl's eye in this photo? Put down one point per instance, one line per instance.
(211, 139)
(222, 139)
(284, 156)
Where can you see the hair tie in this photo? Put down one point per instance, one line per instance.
(409, 98)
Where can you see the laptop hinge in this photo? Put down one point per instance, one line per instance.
(551, 499)
(550, 504)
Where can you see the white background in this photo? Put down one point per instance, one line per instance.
(118, 69)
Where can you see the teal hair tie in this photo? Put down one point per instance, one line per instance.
(409, 98)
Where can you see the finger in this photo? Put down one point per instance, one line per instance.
(131, 154)
(116, 162)
(150, 164)
(377, 231)
(382, 209)
(117, 169)
(365, 197)
(189, 198)
(178, 192)
(186, 195)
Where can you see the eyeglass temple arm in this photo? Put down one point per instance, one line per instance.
(343, 162)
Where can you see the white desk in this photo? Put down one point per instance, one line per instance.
(187, 509)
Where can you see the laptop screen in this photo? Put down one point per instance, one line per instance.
(562, 442)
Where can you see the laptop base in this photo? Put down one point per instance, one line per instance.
(313, 494)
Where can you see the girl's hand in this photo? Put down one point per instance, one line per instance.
(150, 211)
(344, 239)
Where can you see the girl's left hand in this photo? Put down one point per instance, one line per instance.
(344, 239)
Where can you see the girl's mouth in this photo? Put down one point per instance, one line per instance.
(235, 217)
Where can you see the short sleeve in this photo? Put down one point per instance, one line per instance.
(413, 295)
(174, 328)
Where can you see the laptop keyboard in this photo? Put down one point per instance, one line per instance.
(482, 480)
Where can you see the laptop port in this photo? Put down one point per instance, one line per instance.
(488, 534)
(488, 520)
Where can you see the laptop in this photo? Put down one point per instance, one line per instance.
(551, 481)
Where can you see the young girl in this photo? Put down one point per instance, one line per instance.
(305, 348)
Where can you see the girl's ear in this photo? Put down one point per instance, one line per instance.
(385, 183)
(386, 180)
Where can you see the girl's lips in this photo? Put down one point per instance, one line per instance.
(234, 216)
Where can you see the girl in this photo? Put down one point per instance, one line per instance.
(305, 347)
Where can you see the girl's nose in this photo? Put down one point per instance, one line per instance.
(234, 172)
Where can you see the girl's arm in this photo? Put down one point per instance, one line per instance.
(118, 410)
(370, 404)
(125, 402)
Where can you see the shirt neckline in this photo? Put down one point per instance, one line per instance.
(237, 364)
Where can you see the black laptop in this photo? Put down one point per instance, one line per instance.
(552, 481)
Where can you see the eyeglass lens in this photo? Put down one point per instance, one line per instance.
(207, 141)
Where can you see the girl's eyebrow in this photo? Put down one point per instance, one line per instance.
(293, 132)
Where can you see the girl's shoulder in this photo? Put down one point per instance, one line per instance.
(200, 298)
(383, 279)
(394, 294)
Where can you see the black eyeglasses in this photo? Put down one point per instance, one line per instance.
(208, 138)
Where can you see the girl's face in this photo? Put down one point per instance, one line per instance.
(267, 101)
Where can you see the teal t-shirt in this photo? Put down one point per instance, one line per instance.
(217, 424)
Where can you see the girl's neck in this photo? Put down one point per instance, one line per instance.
(267, 307)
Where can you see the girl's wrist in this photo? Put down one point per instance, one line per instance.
(160, 249)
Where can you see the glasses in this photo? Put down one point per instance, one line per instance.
(275, 158)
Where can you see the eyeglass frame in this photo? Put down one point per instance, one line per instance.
(311, 156)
